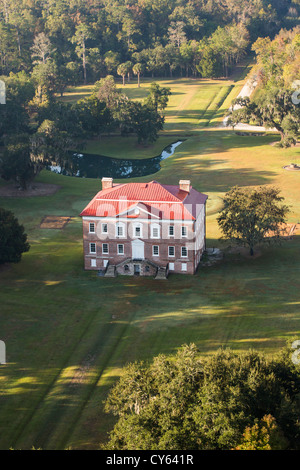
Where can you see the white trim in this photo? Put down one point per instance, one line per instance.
(122, 226)
(140, 226)
(92, 231)
(187, 252)
(102, 231)
(120, 244)
(140, 208)
(169, 234)
(92, 252)
(186, 231)
(153, 254)
(152, 227)
(171, 256)
(105, 252)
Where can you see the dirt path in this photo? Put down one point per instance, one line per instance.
(246, 91)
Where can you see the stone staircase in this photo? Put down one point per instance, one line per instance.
(162, 272)
(110, 271)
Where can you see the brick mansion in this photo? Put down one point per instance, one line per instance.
(146, 229)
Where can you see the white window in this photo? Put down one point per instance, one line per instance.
(92, 247)
(120, 249)
(104, 228)
(92, 227)
(155, 250)
(171, 266)
(183, 267)
(155, 231)
(184, 231)
(184, 252)
(171, 250)
(171, 231)
(105, 248)
(120, 230)
(93, 263)
(137, 231)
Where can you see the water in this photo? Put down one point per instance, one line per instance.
(85, 165)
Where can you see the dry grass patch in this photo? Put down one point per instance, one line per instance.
(55, 222)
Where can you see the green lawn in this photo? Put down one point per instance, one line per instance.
(68, 332)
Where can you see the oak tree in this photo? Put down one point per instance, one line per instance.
(251, 215)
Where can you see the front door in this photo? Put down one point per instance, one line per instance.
(137, 269)
(138, 251)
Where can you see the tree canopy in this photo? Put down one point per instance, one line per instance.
(13, 239)
(252, 216)
(99, 36)
(187, 401)
(276, 71)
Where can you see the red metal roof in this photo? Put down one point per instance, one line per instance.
(163, 201)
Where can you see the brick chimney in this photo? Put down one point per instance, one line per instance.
(107, 183)
(185, 185)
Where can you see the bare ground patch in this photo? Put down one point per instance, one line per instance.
(37, 189)
(55, 222)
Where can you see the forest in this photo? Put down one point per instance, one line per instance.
(77, 41)
(47, 46)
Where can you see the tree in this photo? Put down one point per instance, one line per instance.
(122, 70)
(263, 435)
(41, 49)
(15, 163)
(138, 70)
(50, 146)
(188, 401)
(111, 60)
(82, 34)
(106, 90)
(209, 65)
(13, 239)
(176, 32)
(251, 215)
(158, 97)
(14, 116)
(274, 109)
(147, 123)
(94, 116)
(47, 80)
(140, 119)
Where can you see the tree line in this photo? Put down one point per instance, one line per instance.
(79, 40)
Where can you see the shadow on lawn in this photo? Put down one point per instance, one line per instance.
(239, 303)
(211, 179)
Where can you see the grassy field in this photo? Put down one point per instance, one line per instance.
(68, 332)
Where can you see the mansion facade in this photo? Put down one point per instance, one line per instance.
(147, 229)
